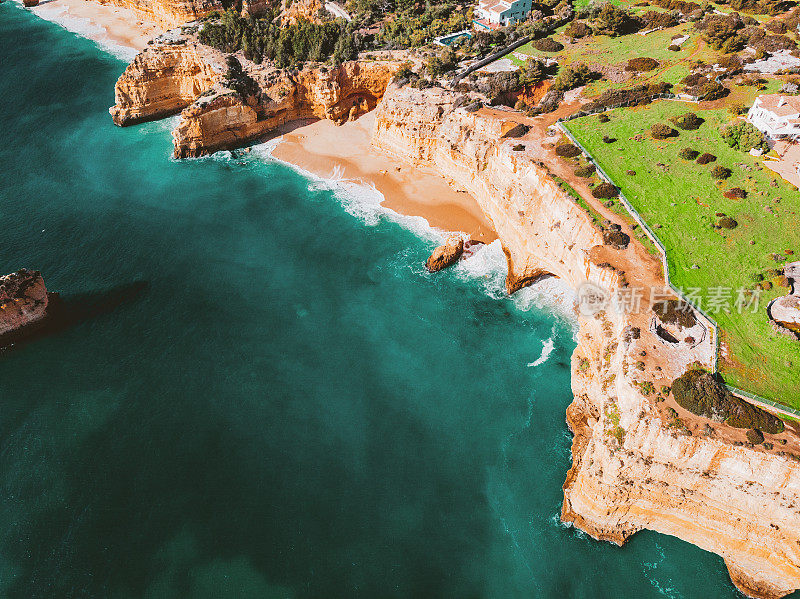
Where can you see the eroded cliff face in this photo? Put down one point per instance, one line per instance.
(172, 13)
(23, 300)
(161, 81)
(633, 467)
(224, 119)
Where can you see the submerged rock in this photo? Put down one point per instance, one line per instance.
(447, 254)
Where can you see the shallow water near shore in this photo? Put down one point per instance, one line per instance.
(292, 406)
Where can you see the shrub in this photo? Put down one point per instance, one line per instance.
(567, 150)
(613, 20)
(701, 393)
(743, 136)
(720, 172)
(641, 64)
(726, 222)
(547, 44)
(662, 131)
(737, 193)
(755, 436)
(674, 48)
(706, 158)
(604, 191)
(688, 122)
(585, 171)
(616, 239)
(573, 76)
(688, 154)
(641, 94)
(712, 91)
(519, 147)
(655, 18)
(603, 118)
(577, 29)
(677, 312)
(608, 140)
(630, 172)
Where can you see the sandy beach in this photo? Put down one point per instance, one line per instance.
(328, 150)
(121, 30)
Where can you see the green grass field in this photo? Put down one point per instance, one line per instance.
(680, 199)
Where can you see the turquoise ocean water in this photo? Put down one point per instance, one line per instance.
(292, 407)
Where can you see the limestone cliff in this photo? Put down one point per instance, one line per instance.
(638, 462)
(23, 300)
(178, 73)
(172, 13)
(224, 119)
(161, 81)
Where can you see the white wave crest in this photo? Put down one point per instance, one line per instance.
(547, 349)
(84, 27)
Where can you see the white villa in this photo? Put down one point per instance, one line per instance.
(503, 12)
(776, 115)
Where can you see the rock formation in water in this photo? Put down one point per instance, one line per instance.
(640, 460)
(446, 254)
(23, 300)
(161, 81)
(221, 112)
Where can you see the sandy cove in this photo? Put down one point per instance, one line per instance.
(121, 30)
(346, 151)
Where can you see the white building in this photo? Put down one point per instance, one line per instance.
(776, 115)
(503, 12)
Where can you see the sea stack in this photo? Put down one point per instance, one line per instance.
(23, 300)
(447, 254)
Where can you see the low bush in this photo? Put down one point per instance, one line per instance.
(577, 29)
(674, 48)
(662, 131)
(727, 222)
(736, 193)
(616, 239)
(603, 117)
(604, 191)
(585, 171)
(676, 312)
(688, 154)
(701, 393)
(743, 136)
(712, 91)
(639, 95)
(706, 158)
(547, 44)
(567, 150)
(573, 76)
(641, 64)
(720, 172)
(755, 436)
(609, 140)
(688, 122)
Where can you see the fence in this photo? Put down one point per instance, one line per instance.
(710, 322)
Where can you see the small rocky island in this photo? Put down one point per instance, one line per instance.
(23, 302)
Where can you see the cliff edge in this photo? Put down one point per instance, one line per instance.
(639, 459)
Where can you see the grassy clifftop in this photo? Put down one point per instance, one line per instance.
(682, 201)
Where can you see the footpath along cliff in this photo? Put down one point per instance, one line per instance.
(639, 459)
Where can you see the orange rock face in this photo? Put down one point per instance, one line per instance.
(171, 13)
(224, 120)
(447, 254)
(160, 82)
(23, 300)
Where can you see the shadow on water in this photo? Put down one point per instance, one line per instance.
(64, 312)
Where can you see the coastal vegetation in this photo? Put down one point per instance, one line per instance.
(724, 236)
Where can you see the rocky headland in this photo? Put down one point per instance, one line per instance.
(641, 459)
